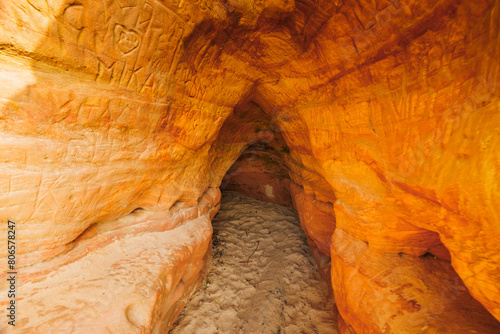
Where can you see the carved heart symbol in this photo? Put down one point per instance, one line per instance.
(126, 40)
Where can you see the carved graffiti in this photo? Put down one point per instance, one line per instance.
(127, 3)
(125, 39)
(74, 16)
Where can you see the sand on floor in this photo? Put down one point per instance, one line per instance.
(262, 277)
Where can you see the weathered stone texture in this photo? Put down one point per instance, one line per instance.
(384, 114)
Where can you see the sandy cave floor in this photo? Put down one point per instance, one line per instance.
(262, 277)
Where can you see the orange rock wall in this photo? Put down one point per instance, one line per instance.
(260, 175)
(316, 218)
(389, 112)
(130, 275)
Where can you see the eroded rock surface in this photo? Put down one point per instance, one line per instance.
(134, 274)
(386, 112)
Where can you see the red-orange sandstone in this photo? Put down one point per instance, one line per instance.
(379, 120)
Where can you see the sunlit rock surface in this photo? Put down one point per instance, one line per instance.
(385, 113)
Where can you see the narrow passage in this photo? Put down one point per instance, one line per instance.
(262, 277)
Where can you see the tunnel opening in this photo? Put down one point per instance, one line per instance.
(262, 277)
(260, 172)
(251, 141)
(258, 216)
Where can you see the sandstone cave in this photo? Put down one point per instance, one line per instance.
(377, 121)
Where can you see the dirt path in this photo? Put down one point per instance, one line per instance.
(262, 278)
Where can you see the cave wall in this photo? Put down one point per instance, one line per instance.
(405, 134)
(388, 111)
(260, 171)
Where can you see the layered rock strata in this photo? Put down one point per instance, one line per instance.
(130, 275)
(385, 114)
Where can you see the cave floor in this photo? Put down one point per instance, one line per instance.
(262, 277)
